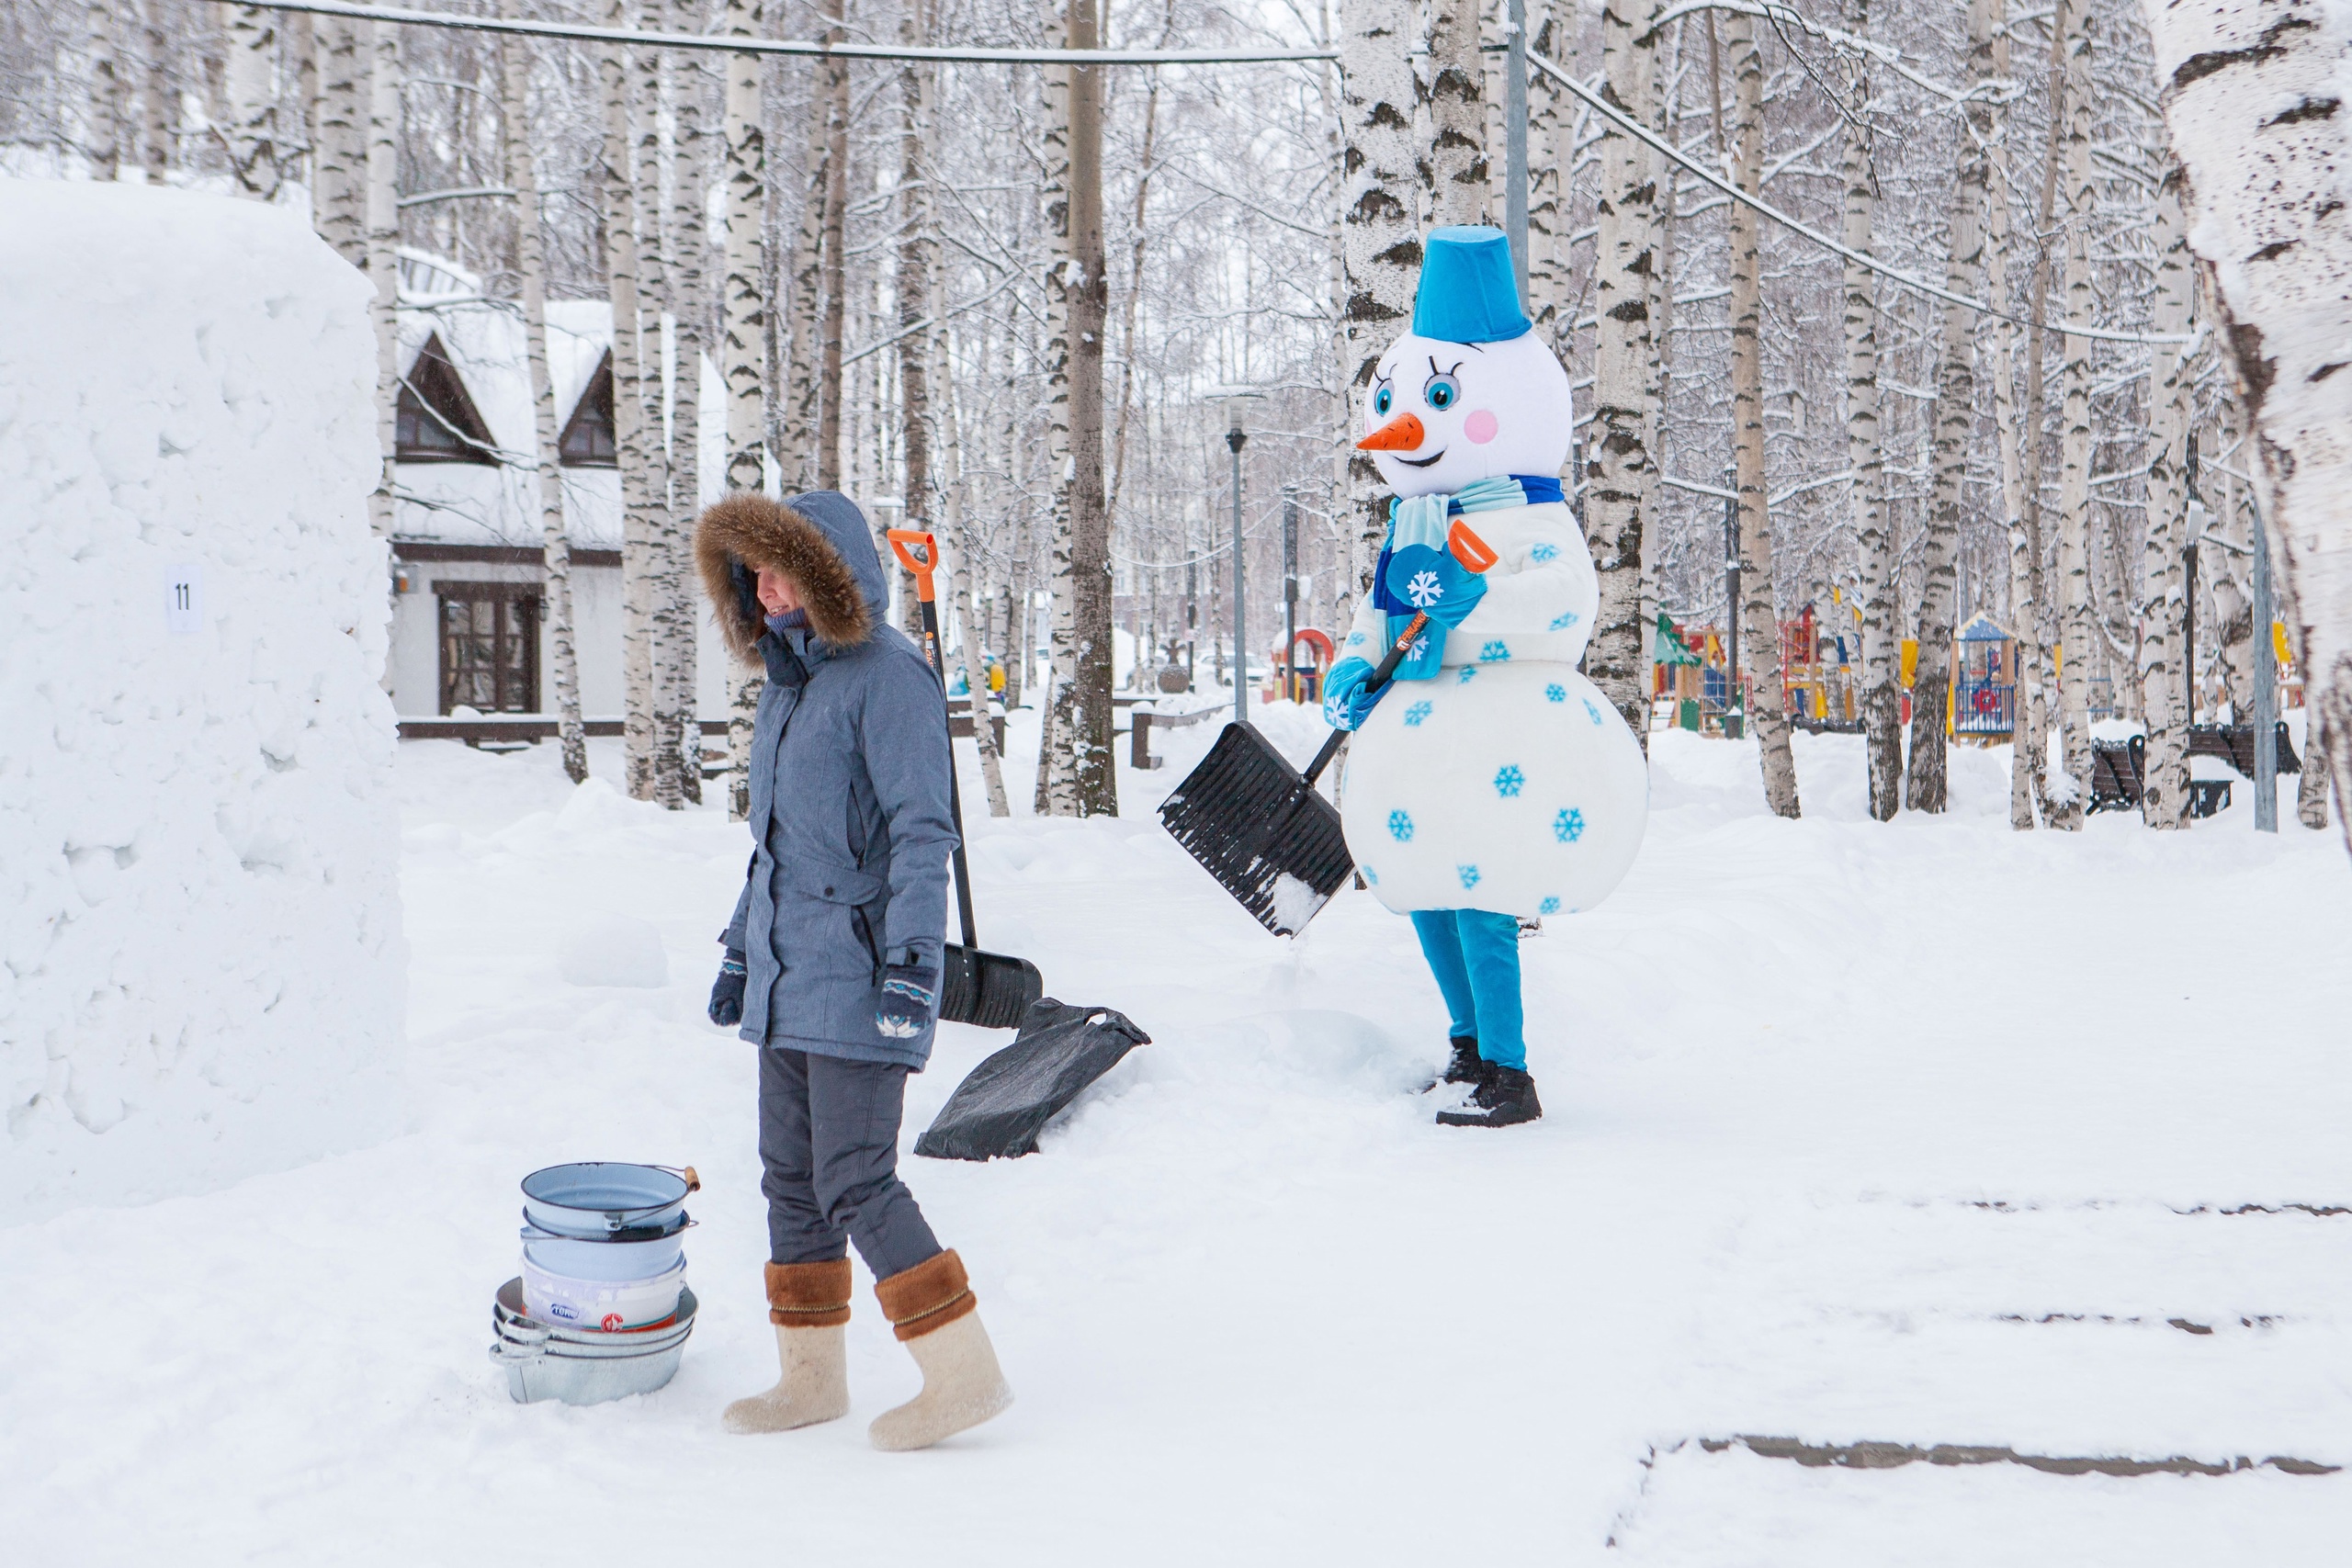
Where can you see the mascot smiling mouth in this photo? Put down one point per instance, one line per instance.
(1422, 462)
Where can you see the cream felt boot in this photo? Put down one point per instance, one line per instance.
(931, 1307)
(809, 1304)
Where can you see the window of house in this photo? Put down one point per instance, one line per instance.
(587, 441)
(437, 420)
(490, 646)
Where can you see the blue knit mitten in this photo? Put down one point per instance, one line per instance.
(910, 992)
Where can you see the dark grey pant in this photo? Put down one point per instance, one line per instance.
(829, 1144)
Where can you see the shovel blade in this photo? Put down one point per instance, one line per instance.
(1257, 825)
(987, 989)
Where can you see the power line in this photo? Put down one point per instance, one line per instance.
(725, 44)
(729, 44)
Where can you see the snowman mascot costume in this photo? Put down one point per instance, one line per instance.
(1487, 781)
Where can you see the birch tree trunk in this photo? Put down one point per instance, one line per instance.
(383, 264)
(2025, 703)
(339, 189)
(2311, 788)
(2252, 95)
(1866, 454)
(643, 102)
(835, 271)
(690, 239)
(2033, 439)
(2074, 437)
(1925, 785)
(2163, 801)
(159, 103)
(1379, 240)
(912, 286)
(1457, 115)
(1760, 628)
(1621, 470)
(744, 326)
(976, 677)
(249, 139)
(106, 130)
(629, 435)
(1083, 780)
(1132, 299)
(802, 396)
(530, 261)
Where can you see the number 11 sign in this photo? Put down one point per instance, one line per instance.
(184, 598)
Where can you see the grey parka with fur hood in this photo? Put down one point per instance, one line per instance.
(849, 811)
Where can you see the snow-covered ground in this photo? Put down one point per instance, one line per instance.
(1925, 1133)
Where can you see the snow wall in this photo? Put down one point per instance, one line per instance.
(201, 966)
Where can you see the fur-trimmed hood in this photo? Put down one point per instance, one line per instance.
(820, 540)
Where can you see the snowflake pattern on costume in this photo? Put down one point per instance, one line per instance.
(1469, 874)
(1424, 589)
(1495, 652)
(1508, 780)
(1414, 714)
(1400, 826)
(1555, 693)
(1467, 670)
(1568, 826)
(1355, 639)
(1565, 619)
(1592, 710)
(1543, 553)
(1549, 907)
(1420, 648)
(1371, 877)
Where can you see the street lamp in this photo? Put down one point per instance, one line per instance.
(1235, 399)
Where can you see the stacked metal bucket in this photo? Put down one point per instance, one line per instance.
(601, 1310)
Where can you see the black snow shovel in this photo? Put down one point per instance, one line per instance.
(1258, 824)
(987, 989)
(998, 1110)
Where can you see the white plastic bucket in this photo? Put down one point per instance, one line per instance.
(611, 1305)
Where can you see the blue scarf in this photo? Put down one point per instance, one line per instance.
(1427, 514)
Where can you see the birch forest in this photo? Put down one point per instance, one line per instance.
(1886, 313)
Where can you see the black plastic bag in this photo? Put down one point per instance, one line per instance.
(998, 1111)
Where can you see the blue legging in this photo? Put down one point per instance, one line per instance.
(1474, 957)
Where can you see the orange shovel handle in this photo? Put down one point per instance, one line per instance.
(918, 551)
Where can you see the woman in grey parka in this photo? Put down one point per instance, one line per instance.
(832, 958)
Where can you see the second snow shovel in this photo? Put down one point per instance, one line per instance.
(987, 989)
(1258, 824)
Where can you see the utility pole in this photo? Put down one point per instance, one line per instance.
(1290, 590)
(2266, 688)
(1515, 144)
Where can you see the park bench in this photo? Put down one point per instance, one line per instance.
(2119, 768)
(1146, 721)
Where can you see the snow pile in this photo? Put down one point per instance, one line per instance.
(202, 964)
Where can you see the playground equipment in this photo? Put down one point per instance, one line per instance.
(1303, 676)
(1984, 683)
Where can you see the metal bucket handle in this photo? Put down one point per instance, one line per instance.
(533, 1231)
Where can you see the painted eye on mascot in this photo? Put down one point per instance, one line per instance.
(1441, 391)
(1381, 400)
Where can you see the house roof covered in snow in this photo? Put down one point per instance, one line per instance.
(484, 344)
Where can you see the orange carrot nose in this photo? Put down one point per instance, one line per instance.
(1402, 433)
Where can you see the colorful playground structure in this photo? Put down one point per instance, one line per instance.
(1821, 677)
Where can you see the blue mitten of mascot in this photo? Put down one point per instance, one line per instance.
(1489, 780)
